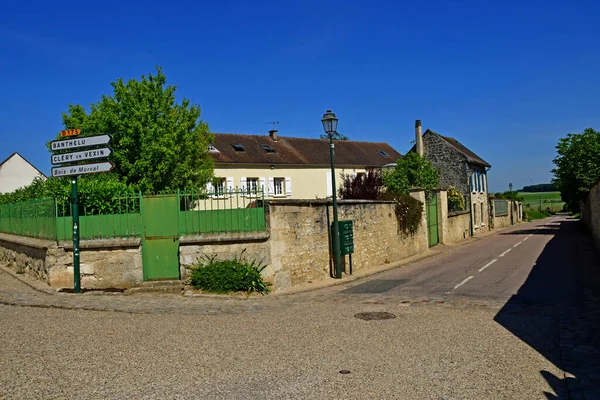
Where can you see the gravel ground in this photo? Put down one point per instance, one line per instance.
(297, 351)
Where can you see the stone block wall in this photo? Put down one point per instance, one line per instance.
(590, 213)
(449, 161)
(514, 216)
(457, 227)
(300, 249)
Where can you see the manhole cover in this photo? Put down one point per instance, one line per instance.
(374, 316)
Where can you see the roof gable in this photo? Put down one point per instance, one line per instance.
(24, 159)
(469, 155)
(299, 151)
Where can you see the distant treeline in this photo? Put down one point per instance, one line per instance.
(542, 187)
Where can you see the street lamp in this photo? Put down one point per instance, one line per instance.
(330, 123)
(510, 186)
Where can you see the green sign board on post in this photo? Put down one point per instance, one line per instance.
(346, 237)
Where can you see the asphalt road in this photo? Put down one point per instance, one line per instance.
(464, 328)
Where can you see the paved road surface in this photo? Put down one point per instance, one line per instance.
(466, 327)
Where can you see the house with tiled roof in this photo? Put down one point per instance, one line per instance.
(17, 172)
(462, 168)
(288, 167)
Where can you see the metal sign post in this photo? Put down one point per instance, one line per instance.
(74, 170)
(75, 215)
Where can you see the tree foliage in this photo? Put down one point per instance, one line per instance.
(367, 186)
(411, 171)
(542, 187)
(577, 165)
(158, 143)
(335, 136)
(456, 200)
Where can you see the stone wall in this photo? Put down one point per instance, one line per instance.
(514, 216)
(300, 250)
(590, 212)
(481, 212)
(114, 263)
(449, 161)
(252, 246)
(457, 227)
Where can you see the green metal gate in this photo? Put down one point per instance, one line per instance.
(432, 219)
(160, 241)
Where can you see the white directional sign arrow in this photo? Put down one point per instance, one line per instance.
(79, 142)
(92, 154)
(82, 169)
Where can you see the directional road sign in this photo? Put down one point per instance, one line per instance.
(82, 169)
(92, 154)
(79, 142)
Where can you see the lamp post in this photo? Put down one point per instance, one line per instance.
(510, 186)
(330, 122)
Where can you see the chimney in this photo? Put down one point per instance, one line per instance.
(419, 137)
(273, 134)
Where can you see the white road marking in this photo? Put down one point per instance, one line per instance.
(526, 238)
(517, 244)
(503, 254)
(530, 235)
(488, 264)
(463, 282)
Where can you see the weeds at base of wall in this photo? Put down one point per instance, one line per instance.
(226, 276)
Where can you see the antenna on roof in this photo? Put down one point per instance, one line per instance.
(273, 123)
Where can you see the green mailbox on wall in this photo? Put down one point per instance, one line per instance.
(346, 237)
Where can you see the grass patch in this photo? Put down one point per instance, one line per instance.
(533, 214)
(542, 201)
(226, 276)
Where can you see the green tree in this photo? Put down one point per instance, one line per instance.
(411, 171)
(335, 135)
(577, 165)
(158, 143)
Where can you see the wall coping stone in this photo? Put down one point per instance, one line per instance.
(102, 243)
(457, 213)
(321, 202)
(225, 238)
(28, 241)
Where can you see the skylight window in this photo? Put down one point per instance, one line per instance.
(267, 148)
(383, 153)
(238, 147)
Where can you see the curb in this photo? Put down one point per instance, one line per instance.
(31, 282)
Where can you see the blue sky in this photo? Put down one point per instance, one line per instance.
(507, 79)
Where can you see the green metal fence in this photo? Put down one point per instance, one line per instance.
(200, 212)
(225, 211)
(33, 218)
(118, 217)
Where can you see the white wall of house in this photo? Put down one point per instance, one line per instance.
(299, 182)
(16, 172)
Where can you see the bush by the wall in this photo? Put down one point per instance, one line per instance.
(225, 276)
(409, 212)
(456, 200)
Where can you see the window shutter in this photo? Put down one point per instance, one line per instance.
(328, 183)
(477, 181)
(230, 187)
(243, 186)
(271, 187)
(288, 186)
(261, 185)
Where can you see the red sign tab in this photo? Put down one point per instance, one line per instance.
(70, 132)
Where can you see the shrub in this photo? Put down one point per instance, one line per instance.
(367, 186)
(224, 276)
(456, 200)
(409, 212)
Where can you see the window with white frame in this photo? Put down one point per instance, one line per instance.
(278, 184)
(219, 188)
(251, 185)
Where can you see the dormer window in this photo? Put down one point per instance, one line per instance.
(383, 153)
(238, 147)
(267, 148)
(212, 149)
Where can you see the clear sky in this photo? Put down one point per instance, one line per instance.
(506, 78)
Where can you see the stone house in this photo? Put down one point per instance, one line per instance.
(459, 167)
(17, 172)
(288, 167)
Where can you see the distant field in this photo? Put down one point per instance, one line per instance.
(542, 200)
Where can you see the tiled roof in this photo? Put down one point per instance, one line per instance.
(300, 151)
(471, 157)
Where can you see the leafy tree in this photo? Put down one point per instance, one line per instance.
(411, 171)
(577, 165)
(456, 200)
(158, 143)
(335, 136)
(367, 186)
(542, 187)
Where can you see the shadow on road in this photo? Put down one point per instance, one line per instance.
(550, 230)
(556, 311)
